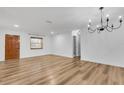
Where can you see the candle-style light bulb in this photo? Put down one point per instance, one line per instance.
(97, 26)
(88, 27)
(120, 17)
(89, 20)
(107, 15)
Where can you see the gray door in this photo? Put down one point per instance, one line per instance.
(74, 45)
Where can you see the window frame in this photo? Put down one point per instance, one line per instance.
(36, 38)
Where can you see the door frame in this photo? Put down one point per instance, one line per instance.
(75, 35)
(19, 45)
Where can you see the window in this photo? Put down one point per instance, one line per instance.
(36, 43)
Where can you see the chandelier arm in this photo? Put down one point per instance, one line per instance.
(91, 30)
(118, 26)
(107, 23)
(108, 29)
(115, 27)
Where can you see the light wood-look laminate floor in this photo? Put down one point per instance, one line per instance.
(51, 69)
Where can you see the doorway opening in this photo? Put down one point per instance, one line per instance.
(76, 44)
(12, 47)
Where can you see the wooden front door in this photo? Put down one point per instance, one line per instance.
(12, 47)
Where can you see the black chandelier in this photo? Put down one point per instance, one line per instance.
(104, 26)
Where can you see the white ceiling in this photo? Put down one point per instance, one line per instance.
(33, 19)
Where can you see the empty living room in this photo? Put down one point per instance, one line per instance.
(61, 46)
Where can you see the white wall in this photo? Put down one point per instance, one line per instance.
(59, 44)
(62, 44)
(105, 48)
(25, 50)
